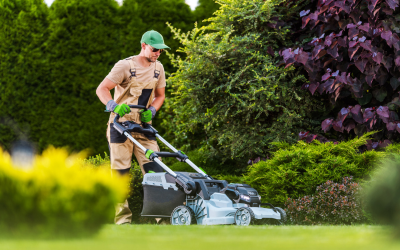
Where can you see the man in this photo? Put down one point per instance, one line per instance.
(138, 80)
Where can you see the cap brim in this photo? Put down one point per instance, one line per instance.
(160, 46)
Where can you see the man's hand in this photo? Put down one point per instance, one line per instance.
(146, 116)
(121, 109)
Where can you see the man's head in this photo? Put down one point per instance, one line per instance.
(152, 45)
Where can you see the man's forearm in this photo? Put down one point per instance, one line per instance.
(158, 102)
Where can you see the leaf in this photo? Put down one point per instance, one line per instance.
(270, 51)
(398, 127)
(393, 4)
(287, 53)
(326, 76)
(316, 51)
(369, 79)
(328, 85)
(342, 41)
(351, 125)
(313, 87)
(397, 61)
(367, 45)
(302, 57)
(364, 27)
(352, 51)
(344, 112)
(384, 144)
(394, 82)
(356, 114)
(387, 62)
(377, 57)
(365, 99)
(326, 124)
(328, 41)
(338, 126)
(304, 13)
(380, 94)
(353, 32)
(383, 111)
(391, 126)
(353, 43)
(371, 6)
(391, 38)
(333, 52)
(361, 63)
(369, 113)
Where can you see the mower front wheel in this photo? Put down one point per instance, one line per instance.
(182, 215)
(283, 219)
(244, 216)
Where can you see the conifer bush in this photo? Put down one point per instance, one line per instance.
(295, 170)
(59, 197)
(230, 92)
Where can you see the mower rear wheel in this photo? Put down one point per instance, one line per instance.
(182, 215)
(244, 216)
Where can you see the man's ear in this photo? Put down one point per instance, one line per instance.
(143, 46)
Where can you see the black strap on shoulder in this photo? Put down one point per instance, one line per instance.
(133, 72)
(156, 73)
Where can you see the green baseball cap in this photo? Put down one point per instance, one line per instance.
(154, 39)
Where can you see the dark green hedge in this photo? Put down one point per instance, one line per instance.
(53, 59)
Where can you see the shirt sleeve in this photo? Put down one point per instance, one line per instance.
(161, 82)
(118, 73)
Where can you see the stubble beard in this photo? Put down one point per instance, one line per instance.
(149, 59)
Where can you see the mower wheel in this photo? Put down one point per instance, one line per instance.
(183, 215)
(244, 216)
(283, 219)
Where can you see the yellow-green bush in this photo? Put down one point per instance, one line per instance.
(58, 196)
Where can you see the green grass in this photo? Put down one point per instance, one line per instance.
(166, 237)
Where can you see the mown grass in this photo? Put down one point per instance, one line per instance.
(165, 237)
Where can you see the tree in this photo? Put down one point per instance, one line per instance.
(141, 16)
(23, 32)
(231, 88)
(205, 10)
(82, 48)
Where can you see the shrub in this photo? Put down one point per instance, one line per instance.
(57, 197)
(230, 89)
(353, 59)
(296, 170)
(211, 164)
(383, 193)
(332, 203)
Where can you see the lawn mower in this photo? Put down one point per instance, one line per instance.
(195, 198)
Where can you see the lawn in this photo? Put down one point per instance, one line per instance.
(224, 237)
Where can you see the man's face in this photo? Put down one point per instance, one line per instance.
(150, 55)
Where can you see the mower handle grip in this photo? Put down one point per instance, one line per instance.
(131, 106)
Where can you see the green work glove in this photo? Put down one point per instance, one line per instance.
(122, 109)
(146, 116)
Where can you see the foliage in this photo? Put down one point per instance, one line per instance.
(354, 59)
(332, 203)
(57, 197)
(212, 165)
(23, 32)
(204, 10)
(98, 161)
(383, 193)
(295, 170)
(137, 17)
(230, 87)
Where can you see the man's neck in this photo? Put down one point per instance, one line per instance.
(142, 60)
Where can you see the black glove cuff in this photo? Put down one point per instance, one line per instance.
(153, 111)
